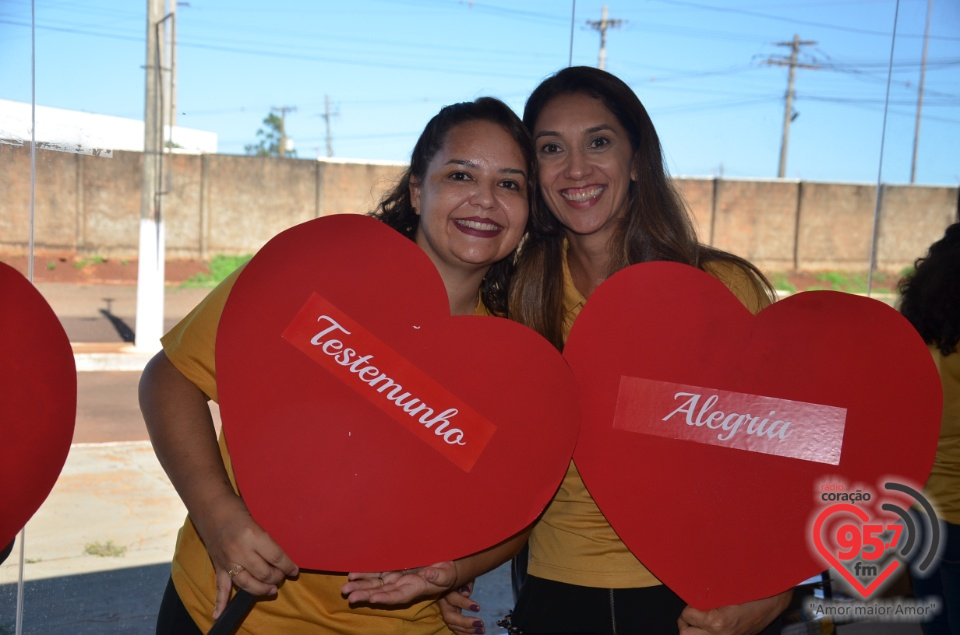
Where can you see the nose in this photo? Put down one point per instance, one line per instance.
(577, 165)
(483, 195)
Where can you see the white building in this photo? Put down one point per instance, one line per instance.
(86, 133)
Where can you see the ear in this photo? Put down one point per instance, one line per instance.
(634, 176)
(415, 194)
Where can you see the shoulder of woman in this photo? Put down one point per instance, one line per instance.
(741, 281)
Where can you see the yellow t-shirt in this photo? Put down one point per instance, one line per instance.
(573, 542)
(310, 604)
(943, 486)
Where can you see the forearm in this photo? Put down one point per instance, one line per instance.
(741, 619)
(473, 566)
(182, 432)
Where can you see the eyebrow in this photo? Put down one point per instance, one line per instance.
(471, 164)
(554, 133)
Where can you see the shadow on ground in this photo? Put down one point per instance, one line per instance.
(123, 329)
(126, 601)
(106, 603)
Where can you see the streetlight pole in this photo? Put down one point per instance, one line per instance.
(150, 261)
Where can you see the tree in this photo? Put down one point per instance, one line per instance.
(269, 139)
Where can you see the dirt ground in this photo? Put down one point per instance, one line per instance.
(108, 271)
(98, 270)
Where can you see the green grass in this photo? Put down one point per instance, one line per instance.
(846, 281)
(220, 268)
(104, 550)
(780, 283)
(83, 262)
(852, 282)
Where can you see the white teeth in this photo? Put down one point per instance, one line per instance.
(472, 224)
(583, 196)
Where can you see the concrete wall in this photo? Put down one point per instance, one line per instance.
(226, 204)
(757, 220)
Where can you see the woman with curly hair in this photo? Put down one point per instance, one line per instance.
(930, 299)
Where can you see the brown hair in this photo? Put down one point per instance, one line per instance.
(656, 225)
(396, 208)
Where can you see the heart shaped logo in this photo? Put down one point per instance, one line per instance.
(370, 430)
(832, 552)
(706, 430)
(38, 390)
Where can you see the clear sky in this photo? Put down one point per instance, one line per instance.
(702, 68)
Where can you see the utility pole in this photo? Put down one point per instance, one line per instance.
(172, 11)
(923, 73)
(283, 110)
(789, 115)
(168, 66)
(150, 261)
(602, 26)
(326, 116)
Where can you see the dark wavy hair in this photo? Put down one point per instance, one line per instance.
(930, 296)
(657, 225)
(397, 211)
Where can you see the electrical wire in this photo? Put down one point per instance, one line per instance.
(883, 138)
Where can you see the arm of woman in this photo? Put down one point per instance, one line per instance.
(742, 619)
(184, 439)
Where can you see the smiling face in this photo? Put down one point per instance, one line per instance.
(585, 162)
(472, 201)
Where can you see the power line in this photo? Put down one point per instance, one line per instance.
(767, 16)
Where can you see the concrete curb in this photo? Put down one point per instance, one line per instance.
(110, 357)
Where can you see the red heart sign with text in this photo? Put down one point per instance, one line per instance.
(38, 393)
(706, 430)
(369, 430)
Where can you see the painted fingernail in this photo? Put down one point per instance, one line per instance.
(478, 624)
(465, 589)
(475, 608)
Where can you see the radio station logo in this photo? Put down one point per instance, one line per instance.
(867, 548)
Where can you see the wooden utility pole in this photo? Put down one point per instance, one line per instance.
(150, 261)
(326, 117)
(923, 73)
(788, 114)
(283, 110)
(602, 26)
(171, 63)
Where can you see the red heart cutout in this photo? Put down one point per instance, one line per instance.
(718, 522)
(827, 552)
(38, 390)
(345, 480)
